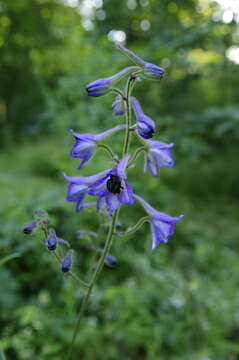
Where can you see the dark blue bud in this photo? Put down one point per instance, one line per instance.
(118, 225)
(30, 227)
(51, 241)
(67, 262)
(145, 125)
(111, 260)
(145, 129)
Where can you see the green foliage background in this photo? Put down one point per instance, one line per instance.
(180, 302)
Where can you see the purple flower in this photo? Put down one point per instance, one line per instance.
(145, 125)
(162, 225)
(85, 145)
(149, 70)
(30, 227)
(113, 189)
(102, 86)
(158, 155)
(67, 262)
(118, 106)
(78, 188)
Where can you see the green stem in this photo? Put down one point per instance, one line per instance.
(108, 150)
(135, 227)
(129, 87)
(97, 271)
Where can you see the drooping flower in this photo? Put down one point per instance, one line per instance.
(162, 225)
(85, 145)
(102, 86)
(114, 189)
(145, 125)
(118, 106)
(79, 186)
(158, 155)
(67, 262)
(149, 70)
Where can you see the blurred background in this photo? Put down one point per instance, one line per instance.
(180, 302)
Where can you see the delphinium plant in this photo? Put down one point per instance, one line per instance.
(112, 186)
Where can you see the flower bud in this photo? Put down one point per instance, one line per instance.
(102, 86)
(118, 106)
(149, 70)
(145, 125)
(51, 241)
(30, 227)
(67, 262)
(111, 260)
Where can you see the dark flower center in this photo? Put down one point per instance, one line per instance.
(114, 184)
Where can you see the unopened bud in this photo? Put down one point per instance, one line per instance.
(30, 227)
(67, 262)
(51, 241)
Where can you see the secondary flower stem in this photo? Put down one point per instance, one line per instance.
(108, 150)
(97, 271)
(136, 154)
(117, 91)
(135, 227)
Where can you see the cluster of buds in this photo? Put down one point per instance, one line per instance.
(51, 240)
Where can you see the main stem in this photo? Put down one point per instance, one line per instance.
(97, 271)
(110, 235)
(129, 86)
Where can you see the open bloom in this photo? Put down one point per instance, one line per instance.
(85, 145)
(102, 86)
(149, 70)
(158, 155)
(162, 225)
(79, 186)
(113, 189)
(145, 125)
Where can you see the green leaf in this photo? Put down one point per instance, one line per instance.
(8, 258)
